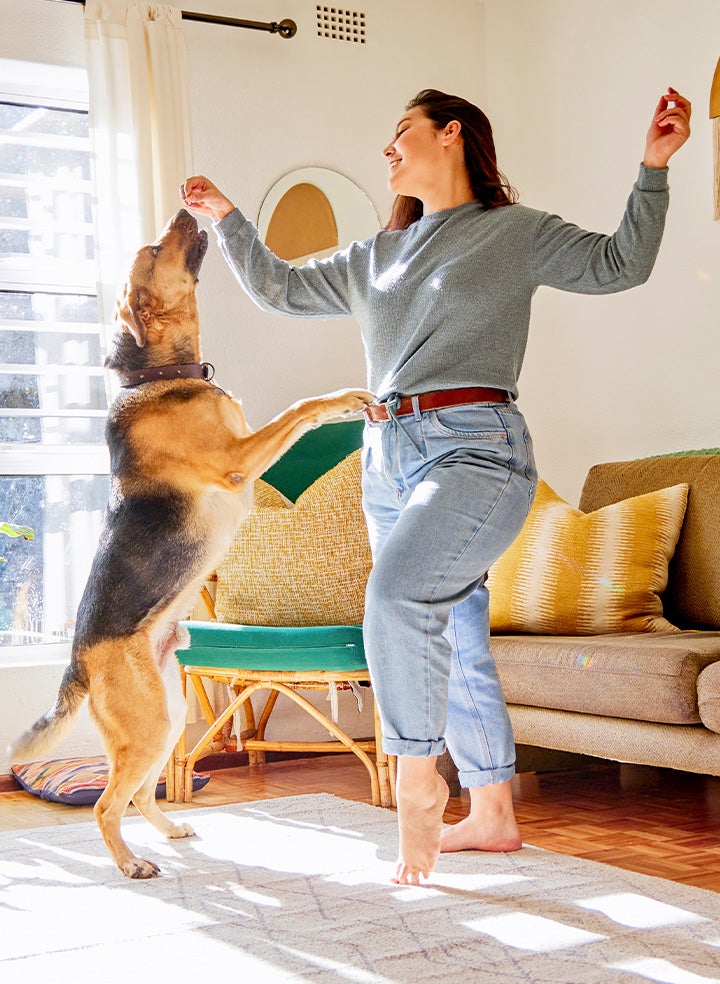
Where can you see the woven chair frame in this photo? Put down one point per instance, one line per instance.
(380, 767)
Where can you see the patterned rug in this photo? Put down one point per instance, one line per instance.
(298, 889)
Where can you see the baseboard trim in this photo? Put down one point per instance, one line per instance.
(9, 784)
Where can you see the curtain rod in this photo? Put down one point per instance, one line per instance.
(285, 28)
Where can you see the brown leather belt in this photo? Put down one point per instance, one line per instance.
(439, 400)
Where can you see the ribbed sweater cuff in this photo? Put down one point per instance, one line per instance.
(230, 224)
(653, 178)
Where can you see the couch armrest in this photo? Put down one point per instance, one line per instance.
(709, 697)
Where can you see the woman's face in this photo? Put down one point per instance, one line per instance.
(413, 155)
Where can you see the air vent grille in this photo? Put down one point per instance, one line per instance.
(340, 24)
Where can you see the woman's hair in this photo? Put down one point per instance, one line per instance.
(489, 185)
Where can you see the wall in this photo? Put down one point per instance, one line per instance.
(263, 106)
(572, 86)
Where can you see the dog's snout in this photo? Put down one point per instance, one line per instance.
(185, 220)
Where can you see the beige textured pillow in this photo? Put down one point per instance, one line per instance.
(571, 573)
(302, 564)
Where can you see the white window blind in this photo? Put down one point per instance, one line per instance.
(53, 399)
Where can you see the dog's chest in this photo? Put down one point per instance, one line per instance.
(221, 514)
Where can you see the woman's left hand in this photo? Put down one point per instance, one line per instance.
(669, 129)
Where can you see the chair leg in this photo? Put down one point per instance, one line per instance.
(265, 716)
(385, 766)
(392, 762)
(175, 768)
(262, 724)
(250, 731)
(176, 790)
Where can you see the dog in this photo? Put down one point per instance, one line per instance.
(183, 463)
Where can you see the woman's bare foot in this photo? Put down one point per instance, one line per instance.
(421, 798)
(490, 825)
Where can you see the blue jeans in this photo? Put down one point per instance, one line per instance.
(445, 493)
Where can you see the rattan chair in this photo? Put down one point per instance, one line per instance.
(283, 660)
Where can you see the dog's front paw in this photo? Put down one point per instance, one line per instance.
(181, 830)
(347, 403)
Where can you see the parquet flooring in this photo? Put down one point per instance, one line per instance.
(653, 821)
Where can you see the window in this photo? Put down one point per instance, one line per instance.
(53, 398)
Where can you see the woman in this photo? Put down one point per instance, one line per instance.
(442, 296)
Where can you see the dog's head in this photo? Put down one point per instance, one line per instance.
(159, 295)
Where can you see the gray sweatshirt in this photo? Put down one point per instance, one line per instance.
(446, 302)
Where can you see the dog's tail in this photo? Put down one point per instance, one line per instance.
(53, 726)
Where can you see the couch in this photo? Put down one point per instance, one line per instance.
(650, 698)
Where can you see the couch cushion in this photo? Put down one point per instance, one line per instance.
(569, 573)
(692, 598)
(299, 565)
(642, 677)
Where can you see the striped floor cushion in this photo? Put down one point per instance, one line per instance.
(78, 781)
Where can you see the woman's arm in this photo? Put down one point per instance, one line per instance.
(571, 258)
(317, 289)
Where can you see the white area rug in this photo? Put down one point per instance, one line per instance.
(298, 889)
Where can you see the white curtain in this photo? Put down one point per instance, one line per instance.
(140, 116)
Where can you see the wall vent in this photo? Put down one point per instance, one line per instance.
(340, 24)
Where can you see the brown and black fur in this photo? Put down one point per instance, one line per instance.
(183, 463)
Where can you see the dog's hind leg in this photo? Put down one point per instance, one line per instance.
(109, 811)
(144, 798)
(127, 701)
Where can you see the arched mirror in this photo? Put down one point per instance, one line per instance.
(312, 212)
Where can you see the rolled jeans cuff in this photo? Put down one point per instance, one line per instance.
(486, 777)
(419, 749)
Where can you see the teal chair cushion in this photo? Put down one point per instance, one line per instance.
(336, 648)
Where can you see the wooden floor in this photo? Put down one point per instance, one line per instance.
(653, 821)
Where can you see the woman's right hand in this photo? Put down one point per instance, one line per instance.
(201, 195)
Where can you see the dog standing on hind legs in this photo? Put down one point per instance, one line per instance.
(183, 463)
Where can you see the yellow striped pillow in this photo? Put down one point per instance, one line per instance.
(302, 564)
(572, 573)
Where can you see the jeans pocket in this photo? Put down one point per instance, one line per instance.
(479, 422)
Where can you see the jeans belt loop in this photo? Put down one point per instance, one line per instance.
(392, 403)
(416, 407)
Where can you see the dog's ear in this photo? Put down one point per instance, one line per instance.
(134, 311)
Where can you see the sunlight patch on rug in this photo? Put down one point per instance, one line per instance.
(630, 909)
(526, 932)
(663, 972)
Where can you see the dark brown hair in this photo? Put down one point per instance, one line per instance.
(490, 187)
